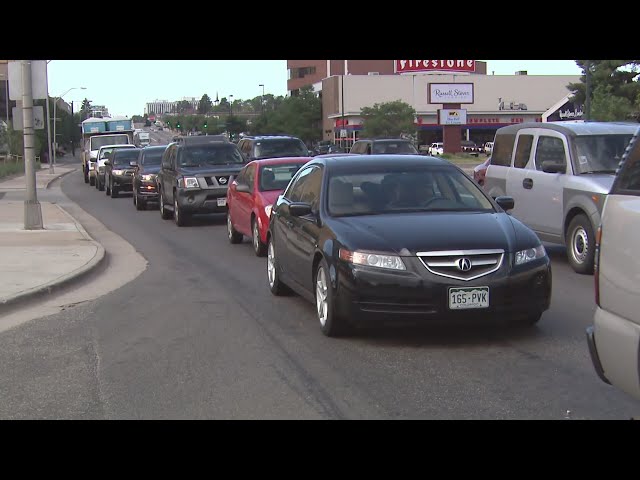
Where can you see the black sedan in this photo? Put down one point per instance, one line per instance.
(145, 188)
(393, 238)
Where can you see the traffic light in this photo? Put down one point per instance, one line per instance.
(178, 125)
(205, 124)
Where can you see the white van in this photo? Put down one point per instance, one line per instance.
(614, 338)
(141, 139)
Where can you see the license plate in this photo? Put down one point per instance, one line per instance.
(222, 202)
(468, 297)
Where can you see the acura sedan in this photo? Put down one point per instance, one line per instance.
(392, 238)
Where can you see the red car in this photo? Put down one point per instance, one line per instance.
(480, 171)
(251, 195)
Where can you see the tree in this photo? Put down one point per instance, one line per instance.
(615, 91)
(183, 106)
(236, 125)
(389, 119)
(138, 118)
(85, 109)
(205, 105)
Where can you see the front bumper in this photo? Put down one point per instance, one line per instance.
(365, 294)
(123, 182)
(147, 190)
(196, 200)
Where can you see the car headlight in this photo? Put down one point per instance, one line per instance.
(190, 182)
(118, 172)
(267, 210)
(524, 256)
(368, 259)
(148, 178)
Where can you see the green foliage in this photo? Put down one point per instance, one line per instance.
(615, 90)
(138, 118)
(205, 105)
(13, 167)
(389, 119)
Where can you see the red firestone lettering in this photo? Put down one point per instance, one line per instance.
(450, 63)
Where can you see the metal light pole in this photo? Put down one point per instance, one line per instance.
(262, 98)
(587, 101)
(55, 103)
(32, 209)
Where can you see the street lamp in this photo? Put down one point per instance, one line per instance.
(55, 103)
(262, 98)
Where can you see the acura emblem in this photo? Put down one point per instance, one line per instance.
(222, 180)
(464, 264)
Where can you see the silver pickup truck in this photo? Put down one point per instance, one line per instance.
(559, 174)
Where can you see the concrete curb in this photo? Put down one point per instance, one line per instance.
(54, 286)
(59, 177)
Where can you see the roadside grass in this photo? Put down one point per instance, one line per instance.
(11, 167)
(464, 158)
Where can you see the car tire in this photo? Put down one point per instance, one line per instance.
(179, 216)
(164, 213)
(259, 248)
(331, 324)
(92, 181)
(107, 188)
(114, 190)
(101, 186)
(85, 174)
(580, 243)
(276, 286)
(531, 319)
(140, 204)
(233, 235)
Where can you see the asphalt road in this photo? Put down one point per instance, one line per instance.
(198, 335)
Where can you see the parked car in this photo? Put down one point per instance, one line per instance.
(194, 176)
(403, 238)
(119, 171)
(436, 149)
(104, 153)
(251, 195)
(389, 146)
(488, 148)
(145, 188)
(471, 148)
(322, 147)
(480, 171)
(272, 146)
(559, 174)
(614, 337)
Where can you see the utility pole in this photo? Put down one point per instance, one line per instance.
(32, 210)
(587, 101)
(73, 141)
(51, 168)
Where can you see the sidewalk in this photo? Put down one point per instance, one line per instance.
(37, 262)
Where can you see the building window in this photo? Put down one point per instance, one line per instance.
(301, 72)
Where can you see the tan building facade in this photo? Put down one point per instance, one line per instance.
(499, 100)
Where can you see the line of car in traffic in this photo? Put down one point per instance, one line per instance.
(384, 238)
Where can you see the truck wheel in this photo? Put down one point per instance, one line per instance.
(92, 181)
(85, 174)
(580, 242)
(114, 191)
(164, 213)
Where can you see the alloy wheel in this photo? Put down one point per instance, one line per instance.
(271, 265)
(321, 296)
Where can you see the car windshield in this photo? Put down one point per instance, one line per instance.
(393, 148)
(281, 147)
(375, 191)
(152, 157)
(97, 142)
(125, 155)
(277, 177)
(600, 153)
(210, 154)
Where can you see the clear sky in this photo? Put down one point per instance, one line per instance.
(125, 86)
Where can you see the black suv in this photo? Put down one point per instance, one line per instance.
(194, 176)
(118, 173)
(272, 146)
(385, 146)
(145, 189)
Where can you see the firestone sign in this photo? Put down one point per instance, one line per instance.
(405, 66)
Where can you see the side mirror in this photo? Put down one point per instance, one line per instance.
(299, 209)
(506, 203)
(243, 188)
(107, 162)
(554, 167)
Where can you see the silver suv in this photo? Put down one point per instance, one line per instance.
(559, 174)
(614, 338)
